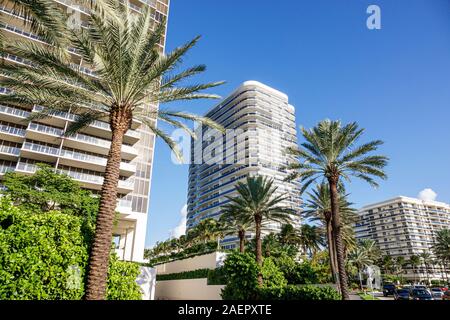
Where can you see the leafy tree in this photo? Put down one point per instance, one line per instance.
(131, 76)
(122, 277)
(256, 198)
(289, 235)
(330, 153)
(361, 258)
(47, 190)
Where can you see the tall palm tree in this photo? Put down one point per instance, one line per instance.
(235, 223)
(361, 259)
(318, 209)
(207, 230)
(425, 258)
(441, 249)
(257, 199)
(311, 239)
(331, 153)
(131, 77)
(414, 262)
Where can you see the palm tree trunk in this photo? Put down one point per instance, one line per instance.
(101, 247)
(241, 241)
(258, 220)
(360, 280)
(331, 251)
(343, 280)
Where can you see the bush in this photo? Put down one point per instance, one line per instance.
(217, 277)
(292, 292)
(195, 274)
(241, 273)
(122, 277)
(190, 252)
(42, 256)
(299, 273)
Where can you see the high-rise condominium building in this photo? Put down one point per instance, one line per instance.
(82, 156)
(403, 227)
(263, 124)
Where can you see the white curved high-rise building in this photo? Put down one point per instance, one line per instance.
(263, 124)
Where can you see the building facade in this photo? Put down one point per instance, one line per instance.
(403, 227)
(83, 156)
(263, 124)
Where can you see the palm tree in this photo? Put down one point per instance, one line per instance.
(360, 258)
(235, 223)
(257, 199)
(330, 153)
(311, 239)
(414, 261)
(131, 77)
(441, 249)
(426, 257)
(400, 262)
(318, 209)
(387, 263)
(207, 230)
(288, 235)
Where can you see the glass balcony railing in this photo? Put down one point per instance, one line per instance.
(9, 150)
(89, 139)
(90, 178)
(14, 111)
(83, 157)
(27, 167)
(126, 204)
(12, 130)
(40, 148)
(6, 168)
(45, 129)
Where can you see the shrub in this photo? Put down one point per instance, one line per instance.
(292, 292)
(299, 273)
(40, 254)
(122, 277)
(241, 272)
(217, 277)
(195, 274)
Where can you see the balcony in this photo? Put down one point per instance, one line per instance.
(14, 115)
(97, 128)
(39, 152)
(10, 133)
(40, 132)
(6, 168)
(92, 162)
(97, 145)
(9, 152)
(124, 206)
(95, 182)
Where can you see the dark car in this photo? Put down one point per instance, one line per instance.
(437, 293)
(421, 294)
(402, 294)
(446, 295)
(389, 289)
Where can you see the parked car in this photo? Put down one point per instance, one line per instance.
(437, 293)
(402, 294)
(446, 295)
(389, 289)
(421, 294)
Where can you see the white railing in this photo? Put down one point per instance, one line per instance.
(12, 130)
(45, 129)
(40, 148)
(9, 150)
(13, 111)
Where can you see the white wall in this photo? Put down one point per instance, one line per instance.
(190, 289)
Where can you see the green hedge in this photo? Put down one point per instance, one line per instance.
(214, 277)
(292, 292)
(196, 250)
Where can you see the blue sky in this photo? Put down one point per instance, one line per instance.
(395, 82)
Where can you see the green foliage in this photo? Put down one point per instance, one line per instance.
(44, 256)
(292, 292)
(47, 190)
(217, 277)
(122, 277)
(195, 274)
(37, 252)
(241, 272)
(190, 252)
(272, 275)
(306, 272)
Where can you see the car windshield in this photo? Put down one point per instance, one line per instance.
(389, 286)
(403, 291)
(421, 292)
(436, 290)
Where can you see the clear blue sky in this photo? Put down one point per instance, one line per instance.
(395, 82)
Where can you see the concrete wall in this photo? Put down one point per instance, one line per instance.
(191, 289)
(207, 261)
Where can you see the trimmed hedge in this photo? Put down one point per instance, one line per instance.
(214, 277)
(292, 292)
(195, 250)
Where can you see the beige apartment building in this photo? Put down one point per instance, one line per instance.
(82, 156)
(404, 227)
